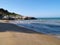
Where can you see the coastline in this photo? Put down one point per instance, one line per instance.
(11, 34)
(34, 26)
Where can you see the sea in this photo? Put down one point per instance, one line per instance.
(50, 26)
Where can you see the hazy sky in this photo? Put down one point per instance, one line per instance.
(36, 8)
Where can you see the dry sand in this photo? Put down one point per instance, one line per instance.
(11, 34)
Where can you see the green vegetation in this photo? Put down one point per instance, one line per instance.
(9, 15)
(6, 12)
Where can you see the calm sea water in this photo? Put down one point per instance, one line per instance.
(42, 25)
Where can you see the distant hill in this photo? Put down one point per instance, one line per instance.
(6, 12)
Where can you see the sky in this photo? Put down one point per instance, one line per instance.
(34, 8)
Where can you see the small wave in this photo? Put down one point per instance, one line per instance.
(45, 27)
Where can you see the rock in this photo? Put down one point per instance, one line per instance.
(29, 18)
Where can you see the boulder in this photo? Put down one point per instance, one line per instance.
(29, 18)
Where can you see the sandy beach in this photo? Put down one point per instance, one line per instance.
(11, 34)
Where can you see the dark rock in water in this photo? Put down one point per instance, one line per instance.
(32, 18)
(29, 18)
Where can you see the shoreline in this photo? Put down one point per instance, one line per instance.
(11, 34)
(54, 35)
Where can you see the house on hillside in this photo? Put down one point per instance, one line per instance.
(12, 17)
(6, 17)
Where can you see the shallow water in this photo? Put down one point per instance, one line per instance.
(43, 26)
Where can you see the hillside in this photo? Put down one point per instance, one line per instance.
(5, 14)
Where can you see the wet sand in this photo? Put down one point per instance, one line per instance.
(11, 34)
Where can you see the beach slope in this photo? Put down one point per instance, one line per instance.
(11, 34)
